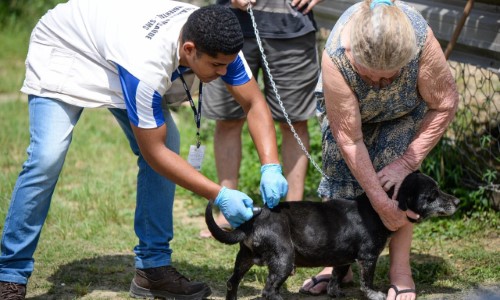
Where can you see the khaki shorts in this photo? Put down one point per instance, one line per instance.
(294, 68)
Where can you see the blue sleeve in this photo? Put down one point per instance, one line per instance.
(143, 103)
(238, 72)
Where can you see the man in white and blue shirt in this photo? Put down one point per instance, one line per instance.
(124, 55)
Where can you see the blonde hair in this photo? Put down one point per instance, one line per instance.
(382, 38)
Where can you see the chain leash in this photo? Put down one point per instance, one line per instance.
(275, 90)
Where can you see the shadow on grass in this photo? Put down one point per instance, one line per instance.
(113, 273)
(76, 279)
(427, 271)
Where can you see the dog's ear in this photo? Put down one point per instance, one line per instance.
(402, 203)
(390, 192)
(407, 191)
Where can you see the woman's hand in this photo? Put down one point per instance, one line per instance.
(393, 175)
(390, 176)
(392, 217)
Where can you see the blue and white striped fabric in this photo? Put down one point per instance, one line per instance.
(144, 103)
(238, 72)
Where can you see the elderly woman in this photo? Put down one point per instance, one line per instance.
(385, 99)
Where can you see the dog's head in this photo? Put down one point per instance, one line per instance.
(421, 194)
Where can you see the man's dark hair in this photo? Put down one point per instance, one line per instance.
(214, 29)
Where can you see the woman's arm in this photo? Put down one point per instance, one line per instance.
(437, 87)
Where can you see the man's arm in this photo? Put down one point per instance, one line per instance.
(167, 163)
(235, 205)
(147, 122)
(273, 185)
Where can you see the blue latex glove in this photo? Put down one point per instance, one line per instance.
(273, 186)
(236, 206)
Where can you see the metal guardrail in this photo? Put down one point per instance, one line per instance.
(477, 44)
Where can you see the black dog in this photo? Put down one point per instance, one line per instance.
(318, 234)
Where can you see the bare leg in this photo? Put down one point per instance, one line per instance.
(400, 271)
(227, 151)
(295, 161)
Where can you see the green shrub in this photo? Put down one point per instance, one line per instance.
(445, 164)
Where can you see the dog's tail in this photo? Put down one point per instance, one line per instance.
(227, 237)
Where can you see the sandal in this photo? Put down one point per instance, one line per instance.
(398, 291)
(315, 281)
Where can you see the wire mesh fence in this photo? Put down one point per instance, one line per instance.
(475, 131)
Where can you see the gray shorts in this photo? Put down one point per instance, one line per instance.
(294, 69)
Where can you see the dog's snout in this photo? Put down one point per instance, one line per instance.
(456, 201)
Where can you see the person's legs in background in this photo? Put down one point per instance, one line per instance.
(51, 131)
(295, 161)
(294, 69)
(227, 150)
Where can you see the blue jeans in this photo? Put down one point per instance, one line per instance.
(51, 130)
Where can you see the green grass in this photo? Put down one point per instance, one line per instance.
(13, 49)
(85, 251)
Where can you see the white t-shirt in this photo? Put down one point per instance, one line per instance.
(111, 53)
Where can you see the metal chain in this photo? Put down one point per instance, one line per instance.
(268, 71)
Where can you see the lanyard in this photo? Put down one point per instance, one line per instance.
(197, 112)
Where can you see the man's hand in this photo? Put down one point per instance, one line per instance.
(305, 5)
(236, 206)
(273, 186)
(242, 4)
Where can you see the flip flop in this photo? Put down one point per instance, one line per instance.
(398, 291)
(315, 282)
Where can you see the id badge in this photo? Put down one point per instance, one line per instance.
(195, 156)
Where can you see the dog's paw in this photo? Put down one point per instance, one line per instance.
(335, 293)
(271, 296)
